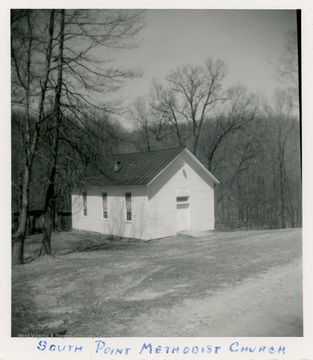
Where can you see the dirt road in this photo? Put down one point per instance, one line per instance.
(241, 283)
(267, 305)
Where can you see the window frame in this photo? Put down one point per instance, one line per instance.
(104, 195)
(128, 207)
(85, 208)
(185, 201)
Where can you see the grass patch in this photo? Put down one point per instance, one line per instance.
(98, 285)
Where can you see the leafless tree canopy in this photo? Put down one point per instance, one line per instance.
(61, 73)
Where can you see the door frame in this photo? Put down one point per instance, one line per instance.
(182, 202)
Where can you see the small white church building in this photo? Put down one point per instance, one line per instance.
(146, 195)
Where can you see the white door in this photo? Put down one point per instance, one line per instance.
(182, 217)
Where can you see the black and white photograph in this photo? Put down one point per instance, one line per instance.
(156, 175)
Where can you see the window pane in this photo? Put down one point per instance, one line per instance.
(104, 205)
(128, 199)
(182, 198)
(84, 203)
(128, 207)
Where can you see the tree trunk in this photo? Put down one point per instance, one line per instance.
(196, 143)
(50, 194)
(282, 197)
(210, 160)
(19, 236)
(48, 220)
(282, 184)
(147, 138)
(30, 145)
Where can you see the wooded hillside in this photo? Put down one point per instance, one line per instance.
(66, 113)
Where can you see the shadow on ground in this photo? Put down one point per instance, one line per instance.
(77, 242)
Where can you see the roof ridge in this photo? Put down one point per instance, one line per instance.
(146, 152)
(136, 168)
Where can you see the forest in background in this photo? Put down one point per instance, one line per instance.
(65, 116)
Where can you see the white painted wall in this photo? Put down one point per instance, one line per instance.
(182, 173)
(153, 206)
(116, 223)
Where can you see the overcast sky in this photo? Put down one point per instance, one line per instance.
(248, 41)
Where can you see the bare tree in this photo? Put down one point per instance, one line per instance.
(191, 95)
(57, 115)
(79, 76)
(24, 43)
(163, 105)
(283, 128)
(150, 123)
(245, 158)
(78, 67)
(239, 109)
(141, 116)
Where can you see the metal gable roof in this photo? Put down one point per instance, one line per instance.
(135, 168)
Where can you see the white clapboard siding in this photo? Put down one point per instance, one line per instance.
(116, 223)
(183, 173)
(155, 213)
